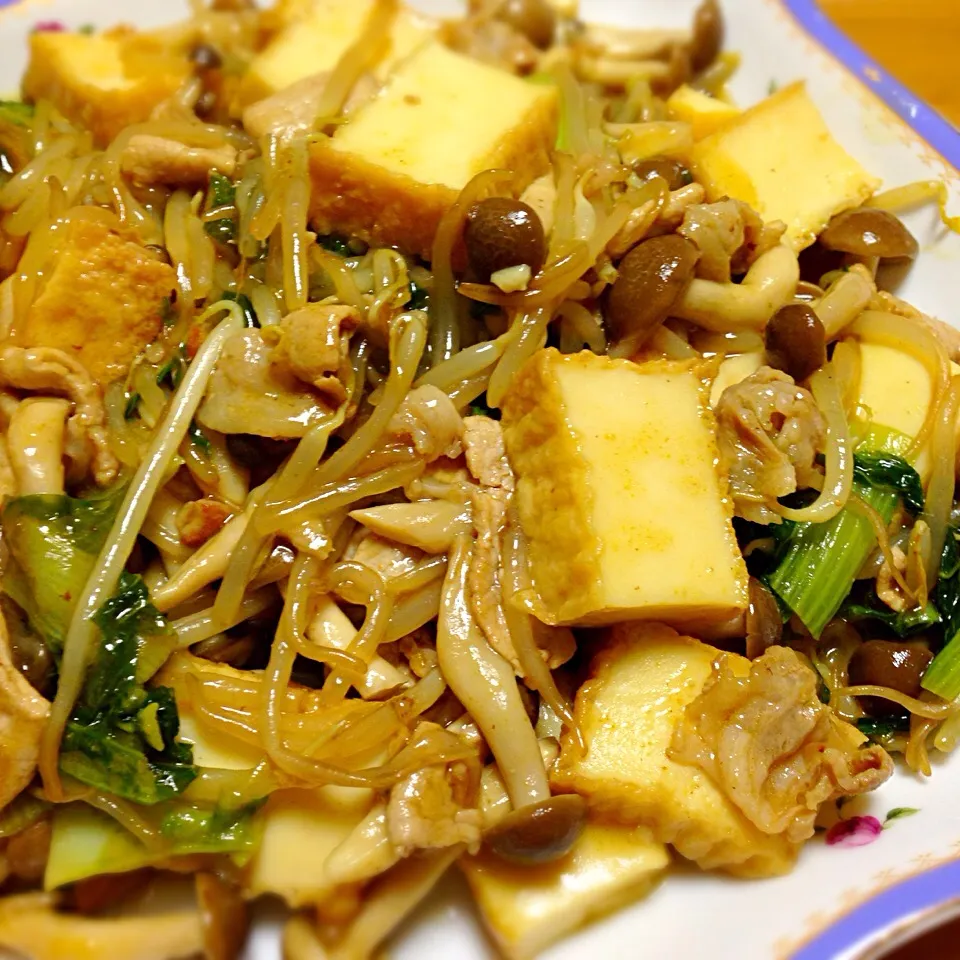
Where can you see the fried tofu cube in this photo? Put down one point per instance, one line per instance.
(215, 750)
(704, 113)
(391, 172)
(640, 683)
(301, 828)
(896, 416)
(734, 370)
(781, 158)
(104, 81)
(528, 908)
(315, 41)
(625, 512)
(103, 301)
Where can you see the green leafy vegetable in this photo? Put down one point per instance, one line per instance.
(167, 314)
(200, 440)
(15, 112)
(335, 244)
(821, 560)
(22, 812)
(172, 370)
(816, 571)
(885, 471)
(943, 675)
(222, 193)
(223, 229)
(946, 595)
(53, 543)
(883, 726)
(903, 624)
(195, 829)
(105, 744)
(130, 407)
(243, 301)
(87, 843)
(419, 297)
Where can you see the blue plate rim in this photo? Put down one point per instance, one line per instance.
(897, 908)
(918, 115)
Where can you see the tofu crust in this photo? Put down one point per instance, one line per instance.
(565, 553)
(565, 512)
(781, 158)
(526, 908)
(102, 303)
(358, 197)
(55, 73)
(641, 679)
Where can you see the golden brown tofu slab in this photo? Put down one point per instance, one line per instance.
(390, 173)
(780, 157)
(315, 38)
(623, 506)
(640, 682)
(103, 81)
(526, 908)
(103, 302)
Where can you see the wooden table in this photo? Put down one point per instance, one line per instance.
(918, 41)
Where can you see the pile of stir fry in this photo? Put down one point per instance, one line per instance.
(475, 444)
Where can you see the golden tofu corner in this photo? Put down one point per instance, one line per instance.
(640, 494)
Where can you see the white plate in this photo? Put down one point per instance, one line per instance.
(833, 905)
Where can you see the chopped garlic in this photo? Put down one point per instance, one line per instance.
(511, 279)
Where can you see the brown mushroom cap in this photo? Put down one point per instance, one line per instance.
(868, 232)
(224, 915)
(796, 341)
(707, 35)
(535, 19)
(764, 622)
(652, 277)
(501, 233)
(673, 171)
(889, 663)
(539, 832)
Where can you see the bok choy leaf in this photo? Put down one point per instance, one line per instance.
(122, 737)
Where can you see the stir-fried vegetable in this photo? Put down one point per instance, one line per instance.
(884, 471)
(22, 813)
(821, 560)
(53, 543)
(15, 147)
(903, 623)
(86, 842)
(122, 735)
(250, 315)
(943, 675)
(222, 195)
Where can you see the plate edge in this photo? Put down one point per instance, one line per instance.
(923, 121)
